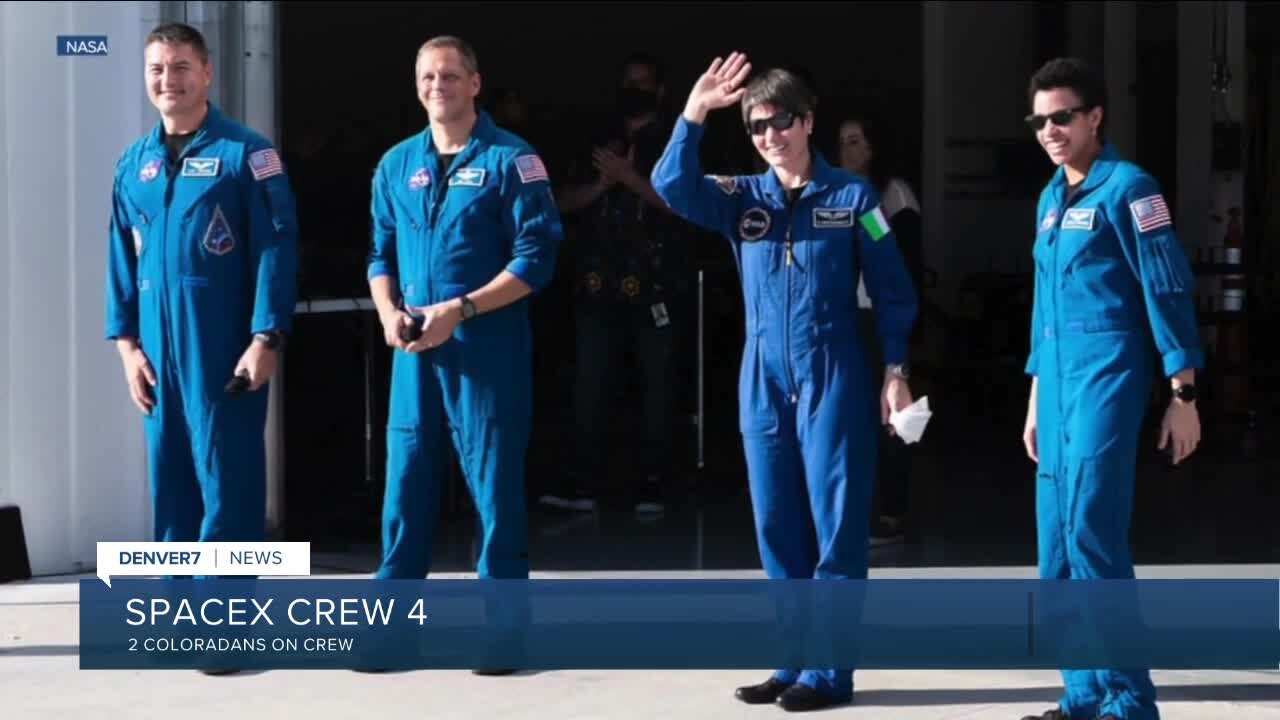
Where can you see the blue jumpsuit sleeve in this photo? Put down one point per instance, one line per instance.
(708, 202)
(273, 238)
(532, 220)
(382, 253)
(122, 269)
(893, 295)
(1162, 268)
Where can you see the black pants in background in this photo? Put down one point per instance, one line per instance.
(604, 331)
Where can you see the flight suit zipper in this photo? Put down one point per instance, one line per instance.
(786, 321)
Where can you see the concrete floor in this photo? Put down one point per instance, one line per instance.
(40, 678)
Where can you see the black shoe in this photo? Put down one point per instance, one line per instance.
(649, 498)
(370, 670)
(494, 672)
(763, 694)
(569, 497)
(218, 671)
(885, 531)
(1054, 714)
(802, 698)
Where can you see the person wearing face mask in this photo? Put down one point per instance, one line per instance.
(862, 152)
(628, 283)
(200, 288)
(801, 233)
(1113, 301)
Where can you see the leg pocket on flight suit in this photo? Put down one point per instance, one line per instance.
(756, 413)
(1099, 518)
(404, 406)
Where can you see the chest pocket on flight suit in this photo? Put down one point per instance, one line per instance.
(472, 242)
(834, 267)
(213, 222)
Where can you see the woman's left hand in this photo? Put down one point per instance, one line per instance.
(895, 397)
(1180, 430)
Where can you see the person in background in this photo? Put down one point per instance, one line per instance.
(628, 282)
(864, 151)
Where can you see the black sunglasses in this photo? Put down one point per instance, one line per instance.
(778, 121)
(1061, 118)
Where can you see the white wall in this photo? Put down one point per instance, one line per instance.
(72, 453)
(71, 445)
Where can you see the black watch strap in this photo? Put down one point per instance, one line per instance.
(272, 339)
(468, 308)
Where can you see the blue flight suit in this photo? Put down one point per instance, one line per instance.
(1110, 277)
(203, 254)
(441, 237)
(809, 401)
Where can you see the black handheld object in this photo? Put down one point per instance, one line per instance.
(238, 384)
(410, 333)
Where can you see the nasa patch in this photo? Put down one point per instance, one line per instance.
(419, 179)
(150, 171)
(1049, 220)
(755, 224)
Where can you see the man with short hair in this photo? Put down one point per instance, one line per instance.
(201, 284)
(464, 229)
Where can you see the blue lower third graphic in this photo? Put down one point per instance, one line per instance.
(679, 624)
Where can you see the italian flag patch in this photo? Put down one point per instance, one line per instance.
(875, 224)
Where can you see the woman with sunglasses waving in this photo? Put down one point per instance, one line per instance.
(801, 233)
(1110, 277)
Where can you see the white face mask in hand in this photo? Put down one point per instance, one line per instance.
(909, 423)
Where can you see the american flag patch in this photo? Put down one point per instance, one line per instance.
(531, 168)
(265, 163)
(1150, 213)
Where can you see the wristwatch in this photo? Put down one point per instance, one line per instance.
(899, 370)
(273, 339)
(468, 308)
(1185, 392)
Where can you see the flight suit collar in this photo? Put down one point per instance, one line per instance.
(481, 137)
(821, 180)
(211, 127)
(1099, 173)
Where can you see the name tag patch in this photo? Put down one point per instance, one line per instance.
(467, 177)
(833, 217)
(1078, 219)
(200, 167)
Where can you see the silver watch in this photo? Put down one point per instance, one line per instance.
(898, 370)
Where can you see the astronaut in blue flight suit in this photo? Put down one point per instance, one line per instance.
(1110, 277)
(464, 229)
(200, 287)
(800, 232)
